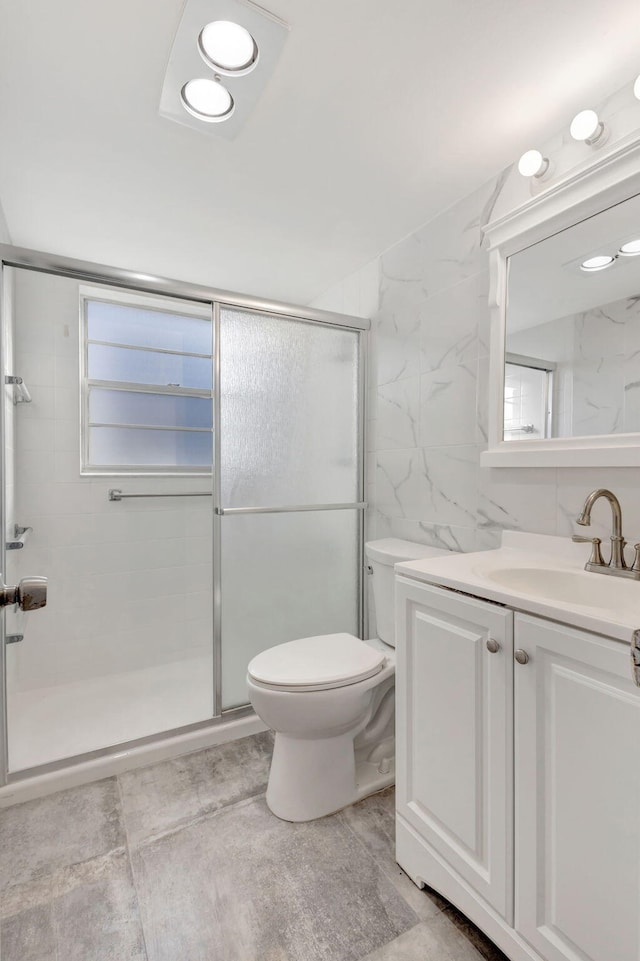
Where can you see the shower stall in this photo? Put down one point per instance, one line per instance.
(186, 468)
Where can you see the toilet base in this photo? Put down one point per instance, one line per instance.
(310, 779)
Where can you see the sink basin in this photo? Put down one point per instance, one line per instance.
(580, 588)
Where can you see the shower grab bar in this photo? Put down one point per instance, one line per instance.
(21, 395)
(20, 534)
(360, 506)
(526, 428)
(118, 495)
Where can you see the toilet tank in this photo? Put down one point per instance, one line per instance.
(382, 555)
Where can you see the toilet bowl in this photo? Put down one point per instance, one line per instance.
(330, 701)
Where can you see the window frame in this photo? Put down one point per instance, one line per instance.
(167, 305)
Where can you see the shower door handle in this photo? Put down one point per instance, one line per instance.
(30, 594)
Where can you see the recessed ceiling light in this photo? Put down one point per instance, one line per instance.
(597, 263)
(588, 127)
(207, 100)
(228, 47)
(630, 249)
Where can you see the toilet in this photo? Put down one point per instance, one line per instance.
(330, 701)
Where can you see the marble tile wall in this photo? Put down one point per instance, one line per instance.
(428, 398)
(606, 369)
(597, 352)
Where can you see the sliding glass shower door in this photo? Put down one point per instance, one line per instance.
(188, 475)
(289, 485)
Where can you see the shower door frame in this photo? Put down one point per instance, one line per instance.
(89, 272)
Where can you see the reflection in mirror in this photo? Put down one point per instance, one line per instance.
(528, 397)
(572, 363)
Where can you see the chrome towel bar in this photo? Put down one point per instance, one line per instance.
(286, 510)
(118, 495)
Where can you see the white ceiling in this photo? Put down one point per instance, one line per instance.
(379, 116)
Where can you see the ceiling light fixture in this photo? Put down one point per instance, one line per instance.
(597, 263)
(228, 47)
(207, 100)
(533, 164)
(587, 127)
(222, 58)
(630, 249)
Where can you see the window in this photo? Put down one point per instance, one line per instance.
(147, 384)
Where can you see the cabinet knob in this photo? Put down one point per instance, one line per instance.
(492, 646)
(521, 657)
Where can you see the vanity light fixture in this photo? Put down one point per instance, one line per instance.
(207, 100)
(630, 249)
(228, 47)
(533, 164)
(636, 88)
(587, 127)
(597, 263)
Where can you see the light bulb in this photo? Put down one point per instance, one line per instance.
(228, 47)
(207, 100)
(587, 126)
(597, 263)
(636, 88)
(533, 164)
(630, 249)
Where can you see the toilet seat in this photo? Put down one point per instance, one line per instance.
(316, 663)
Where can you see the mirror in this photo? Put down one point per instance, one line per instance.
(572, 349)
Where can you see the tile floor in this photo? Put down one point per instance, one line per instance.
(182, 861)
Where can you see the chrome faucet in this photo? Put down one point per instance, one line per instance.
(617, 564)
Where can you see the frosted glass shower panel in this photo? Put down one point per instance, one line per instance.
(284, 576)
(288, 410)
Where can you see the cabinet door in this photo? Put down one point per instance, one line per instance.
(454, 732)
(577, 795)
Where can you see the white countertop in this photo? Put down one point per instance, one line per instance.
(508, 575)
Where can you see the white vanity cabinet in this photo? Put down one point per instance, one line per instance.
(577, 814)
(454, 749)
(518, 775)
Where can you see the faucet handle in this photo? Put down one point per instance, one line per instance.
(596, 553)
(636, 561)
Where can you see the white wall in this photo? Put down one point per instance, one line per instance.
(428, 400)
(5, 237)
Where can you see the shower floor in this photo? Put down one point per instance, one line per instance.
(51, 723)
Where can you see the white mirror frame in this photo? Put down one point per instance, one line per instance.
(611, 178)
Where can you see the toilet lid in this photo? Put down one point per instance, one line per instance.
(330, 660)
